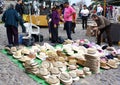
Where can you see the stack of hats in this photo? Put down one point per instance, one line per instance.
(31, 66)
(93, 60)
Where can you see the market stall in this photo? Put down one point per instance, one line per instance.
(64, 63)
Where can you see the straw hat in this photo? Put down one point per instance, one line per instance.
(58, 64)
(80, 73)
(54, 71)
(25, 51)
(17, 54)
(74, 76)
(65, 78)
(91, 50)
(103, 64)
(13, 49)
(47, 65)
(61, 66)
(72, 67)
(43, 72)
(112, 63)
(24, 58)
(53, 80)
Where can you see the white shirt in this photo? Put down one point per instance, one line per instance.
(99, 9)
(84, 12)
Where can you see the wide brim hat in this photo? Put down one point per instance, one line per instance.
(54, 71)
(103, 65)
(53, 80)
(65, 78)
(91, 51)
(112, 63)
(17, 54)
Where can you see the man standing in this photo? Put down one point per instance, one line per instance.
(68, 13)
(19, 9)
(11, 18)
(84, 14)
(103, 25)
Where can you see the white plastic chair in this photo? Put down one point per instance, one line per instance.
(32, 29)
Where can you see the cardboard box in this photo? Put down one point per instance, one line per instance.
(90, 31)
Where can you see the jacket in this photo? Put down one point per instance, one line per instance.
(102, 22)
(10, 17)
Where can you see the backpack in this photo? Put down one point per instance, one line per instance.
(60, 40)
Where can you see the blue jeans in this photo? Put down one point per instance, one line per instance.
(68, 28)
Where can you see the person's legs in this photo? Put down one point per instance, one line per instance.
(83, 22)
(54, 33)
(99, 36)
(86, 22)
(73, 27)
(9, 35)
(68, 29)
(49, 27)
(15, 34)
(22, 25)
(108, 35)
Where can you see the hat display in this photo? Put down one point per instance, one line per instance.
(65, 63)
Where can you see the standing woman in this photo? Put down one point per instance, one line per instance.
(11, 18)
(54, 24)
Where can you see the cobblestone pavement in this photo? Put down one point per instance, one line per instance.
(10, 74)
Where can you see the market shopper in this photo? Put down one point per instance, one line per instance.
(103, 25)
(10, 18)
(68, 13)
(84, 14)
(19, 9)
(55, 18)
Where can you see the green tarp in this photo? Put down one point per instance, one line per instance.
(34, 77)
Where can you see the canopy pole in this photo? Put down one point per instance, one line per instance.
(104, 7)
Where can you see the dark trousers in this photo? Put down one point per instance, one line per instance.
(68, 27)
(84, 22)
(12, 35)
(49, 29)
(107, 30)
(54, 33)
